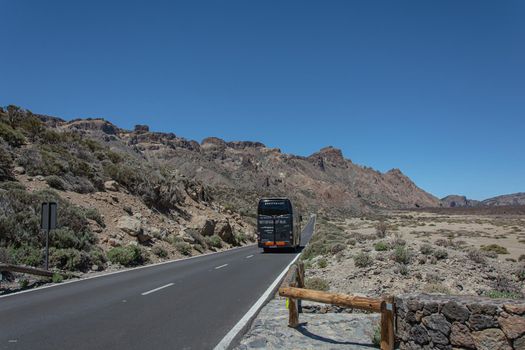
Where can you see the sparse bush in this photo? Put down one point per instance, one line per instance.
(314, 249)
(159, 251)
(213, 241)
(381, 246)
(476, 256)
(401, 255)
(381, 229)
(426, 249)
(322, 262)
(441, 254)
(520, 273)
(351, 242)
(27, 255)
(130, 255)
(240, 238)
(436, 288)
(317, 283)
(402, 269)
(522, 257)
(495, 248)
(56, 182)
(6, 164)
(183, 248)
(362, 259)
(337, 247)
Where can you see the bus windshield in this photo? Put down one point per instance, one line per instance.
(274, 207)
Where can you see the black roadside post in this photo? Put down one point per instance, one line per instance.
(48, 222)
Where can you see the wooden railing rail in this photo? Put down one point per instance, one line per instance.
(293, 289)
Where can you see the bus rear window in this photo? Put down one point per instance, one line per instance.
(274, 208)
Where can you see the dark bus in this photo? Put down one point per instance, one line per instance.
(278, 224)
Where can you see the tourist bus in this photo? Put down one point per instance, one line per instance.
(278, 224)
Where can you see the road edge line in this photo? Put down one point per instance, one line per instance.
(120, 271)
(244, 322)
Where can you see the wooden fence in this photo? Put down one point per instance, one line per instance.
(293, 289)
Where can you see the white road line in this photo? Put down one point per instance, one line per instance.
(157, 289)
(249, 256)
(220, 267)
(228, 338)
(120, 271)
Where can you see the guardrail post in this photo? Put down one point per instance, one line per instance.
(387, 324)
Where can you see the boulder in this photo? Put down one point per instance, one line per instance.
(111, 185)
(224, 230)
(208, 229)
(490, 339)
(513, 326)
(460, 336)
(455, 312)
(18, 170)
(131, 225)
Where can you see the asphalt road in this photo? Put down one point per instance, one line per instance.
(185, 304)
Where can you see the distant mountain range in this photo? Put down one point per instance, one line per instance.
(452, 201)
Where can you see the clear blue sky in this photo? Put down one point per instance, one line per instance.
(435, 88)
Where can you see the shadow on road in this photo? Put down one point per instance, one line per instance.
(283, 251)
(301, 329)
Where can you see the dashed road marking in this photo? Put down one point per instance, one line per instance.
(249, 256)
(157, 289)
(220, 267)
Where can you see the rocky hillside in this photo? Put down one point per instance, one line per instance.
(237, 173)
(455, 201)
(127, 197)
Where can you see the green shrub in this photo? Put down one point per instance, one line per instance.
(441, 254)
(159, 251)
(69, 259)
(317, 283)
(183, 248)
(93, 214)
(6, 164)
(495, 248)
(496, 294)
(322, 263)
(24, 283)
(314, 249)
(426, 249)
(130, 255)
(240, 238)
(97, 257)
(376, 337)
(57, 278)
(213, 241)
(522, 257)
(56, 182)
(401, 255)
(437, 288)
(27, 255)
(13, 137)
(362, 259)
(381, 246)
(520, 273)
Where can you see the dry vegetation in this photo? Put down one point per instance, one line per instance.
(411, 251)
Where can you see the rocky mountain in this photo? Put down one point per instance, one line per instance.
(454, 201)
(507, 199)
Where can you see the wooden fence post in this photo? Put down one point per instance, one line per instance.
(293, 320)
(300, 284)
(387, 324)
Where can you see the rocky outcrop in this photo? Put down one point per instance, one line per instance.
(445, 322)
(93, 125)
(507, 199)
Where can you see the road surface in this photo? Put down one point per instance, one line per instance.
(185, 304)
